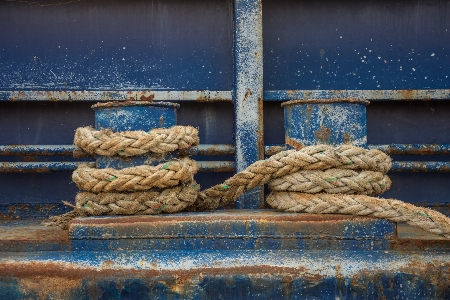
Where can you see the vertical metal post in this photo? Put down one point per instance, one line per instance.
(248, 92)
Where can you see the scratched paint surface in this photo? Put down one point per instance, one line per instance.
(116, 45)
(225, 275)
(248, 92)
(356, 45)
(333, 123)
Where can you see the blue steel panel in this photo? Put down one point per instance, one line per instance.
(335, 122)
(408, 122)
(116, 45)
(356, 45)
(248, 92)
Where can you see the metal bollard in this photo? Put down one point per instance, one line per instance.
(135, 115)
(330, 121)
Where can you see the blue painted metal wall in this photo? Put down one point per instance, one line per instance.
(183, 50)
(230, 64)
(116, 45)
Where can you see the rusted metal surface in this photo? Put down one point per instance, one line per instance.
(210, 96)
(391, 149)
(420, 166)
(274, 149)
(28, 211)
(372, 95)
(219, 149)
(330, 100)
(201, 96)
(414, 239)
(413, 149)
(37, 167)
(38, 150)
(218, 275)
(216, 166)
(210, 150)
(248, 92)
(318, 121)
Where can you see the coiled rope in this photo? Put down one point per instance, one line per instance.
(321, 157)
(317, 179)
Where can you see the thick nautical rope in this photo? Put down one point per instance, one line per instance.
(333, 181)
(133, 179)
(361, 205)
(319, 157)
(131, 143)
(152, 202)
(140, 203)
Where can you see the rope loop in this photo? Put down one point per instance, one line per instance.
(133, 179)
(132, 143)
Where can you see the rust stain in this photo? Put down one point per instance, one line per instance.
(260, 130)
(347, 138)
(13, 209)
(293, 143)
(426, 150)
(247, 94)
(322, 101)
(148, 98)
(120, 103)
(323, 135)
(275, 149)
(50, 287)
(407, 94)
(308, 115)
(230, 215)
(5, 168)
(28, 158)
(71, 273)
(78, 153)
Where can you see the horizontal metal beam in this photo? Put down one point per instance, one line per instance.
(37, 150)
(201, 96)
(220, 149)
(420, 166)
(210, 96)
(68, 150)
(413, 149)
(373, 95)
(46, 167)
(208, 166)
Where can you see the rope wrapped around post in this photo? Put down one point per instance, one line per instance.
(320, 157)
(141, 190)
(318, 179)
(140, 178)
(132, 143)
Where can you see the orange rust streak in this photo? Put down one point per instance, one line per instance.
(222, 217)
(294, 143)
